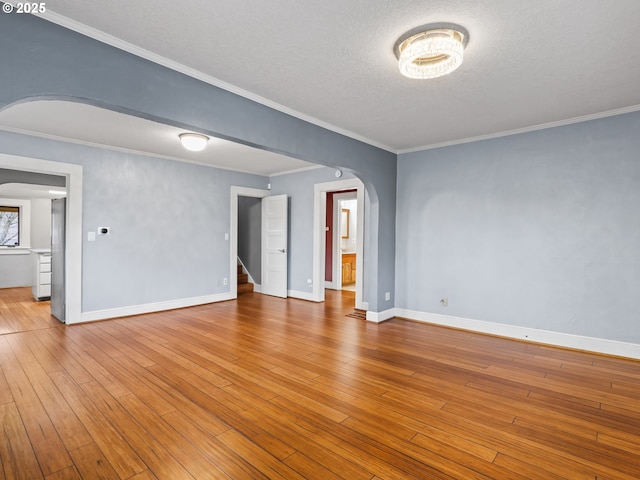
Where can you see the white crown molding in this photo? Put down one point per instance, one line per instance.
(542, 126)
(178, 67)
(298, 170)
(192, 72)
(57, 138)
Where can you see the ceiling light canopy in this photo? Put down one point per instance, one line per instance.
(194, 142)
(431, 51)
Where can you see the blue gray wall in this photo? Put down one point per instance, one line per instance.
(168, 222)
(539, 230)
(16, 176)
(42, 60)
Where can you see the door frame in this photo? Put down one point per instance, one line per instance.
(336, 260)
(233, 235)
(319, 243)
(73, 231)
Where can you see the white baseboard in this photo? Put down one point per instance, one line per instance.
(301, 295)
(257, 288)
(592, 344)
(378, 317)
(579, 342)
(152, 307)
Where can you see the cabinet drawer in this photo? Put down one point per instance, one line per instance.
(45, 290)
(45, 258)
(45, 267)
(45, 278)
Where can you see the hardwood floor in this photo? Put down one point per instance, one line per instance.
(265, 388)
(20, 313)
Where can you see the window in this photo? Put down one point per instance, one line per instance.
(9, 226)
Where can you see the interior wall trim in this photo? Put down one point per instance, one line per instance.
(103, 37)
(517, 131)
(556, 339)
(378, 317)
(154, 307)
(192, 72)
(302, 295)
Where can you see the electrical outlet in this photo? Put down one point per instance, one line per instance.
(225, 281)
(387, 296)
(444, 302)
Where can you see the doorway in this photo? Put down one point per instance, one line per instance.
(320, 243)
(272, 248)
(249, 244)
(236, 194)
(73, 230)
(341, 240)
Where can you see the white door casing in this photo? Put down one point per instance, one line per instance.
(319, 216)
(235, 193)
(73, 261)
(274, 245)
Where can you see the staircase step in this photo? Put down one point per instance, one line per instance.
(245, 288)
(239, 268)
(243, 278)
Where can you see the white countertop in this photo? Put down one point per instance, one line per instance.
(14, 251)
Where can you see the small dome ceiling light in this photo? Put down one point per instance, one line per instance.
(431, 51)
(194, 142)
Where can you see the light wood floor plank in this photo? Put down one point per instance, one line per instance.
(225, 458)
(45, 440)
(17, 459)
(5, 391)
(91, 463)
(69, 473)
(121, 456)
(150, 450)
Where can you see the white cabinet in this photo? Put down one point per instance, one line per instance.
(41, 274)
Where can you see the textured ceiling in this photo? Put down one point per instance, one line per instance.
(528, 63)
(86, 124)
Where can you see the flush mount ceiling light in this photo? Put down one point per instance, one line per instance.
(193, 141)
(431, 51)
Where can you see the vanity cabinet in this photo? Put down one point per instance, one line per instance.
(348, 268)
(41, 288)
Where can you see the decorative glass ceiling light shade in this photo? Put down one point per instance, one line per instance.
(194, 142)
(431, 51)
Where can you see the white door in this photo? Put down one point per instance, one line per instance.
(58, 231)
(274, 245)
